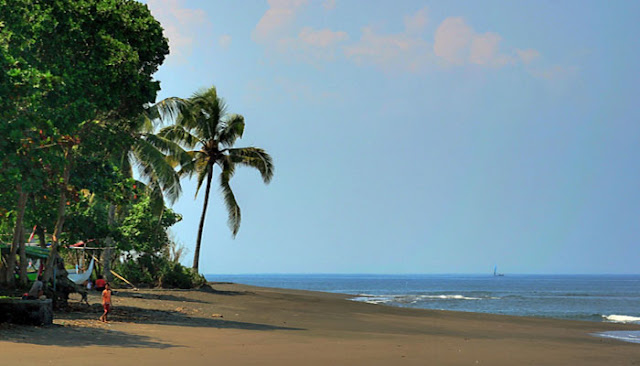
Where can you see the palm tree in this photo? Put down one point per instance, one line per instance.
(204, 127)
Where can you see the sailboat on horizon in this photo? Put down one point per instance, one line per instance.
(495, 272)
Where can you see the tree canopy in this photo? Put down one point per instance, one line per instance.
(75, 78)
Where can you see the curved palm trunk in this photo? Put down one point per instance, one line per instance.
(196, 255)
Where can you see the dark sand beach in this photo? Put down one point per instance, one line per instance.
(234, 324)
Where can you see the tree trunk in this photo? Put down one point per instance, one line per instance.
(11, 261)
(106, 254)
(23, 259)
(41, 238)
(196, 254)
(3, 270)
(48, 271)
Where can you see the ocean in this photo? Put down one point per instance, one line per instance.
(599, 298)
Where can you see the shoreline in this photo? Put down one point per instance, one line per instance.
(570, 297)
(353, 297)
(241, 324)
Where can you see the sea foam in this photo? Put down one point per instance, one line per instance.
(621, 318)
(410, 299)
(622, 335)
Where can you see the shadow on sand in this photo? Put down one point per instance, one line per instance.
(79, 336)
(136, 315)
(170, 297)
(82, 329)
(151, 296)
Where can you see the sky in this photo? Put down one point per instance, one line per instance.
(418, 136)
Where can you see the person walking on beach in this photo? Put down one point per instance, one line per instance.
(106, 302)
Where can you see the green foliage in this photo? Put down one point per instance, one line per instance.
(147, 250)
(143, 232)
(74, 77)
(159, 272)
(66, 62)
(63, 65)
(87, 219)
(176, 275)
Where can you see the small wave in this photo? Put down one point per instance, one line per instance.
(372, 299)
(622, 335)
(449, 297)
(412, 299)
(621, 318)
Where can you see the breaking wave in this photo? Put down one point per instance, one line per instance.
(412, 299)
(621, 319)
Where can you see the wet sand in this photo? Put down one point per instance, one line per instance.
(233, 324)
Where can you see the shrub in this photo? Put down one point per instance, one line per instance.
(155, 271)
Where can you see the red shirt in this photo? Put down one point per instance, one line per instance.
(106, 297)
(100, 282)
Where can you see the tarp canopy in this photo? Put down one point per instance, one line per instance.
(31, 252)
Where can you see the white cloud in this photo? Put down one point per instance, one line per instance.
(456, 43)
(321, 38)
(416, 23)
(389, 52)
(452, 40)
(181, 25)
(224, 41)
(276, 19)
(485, 50)
(312, 45)
(275, 31)
(405, 51)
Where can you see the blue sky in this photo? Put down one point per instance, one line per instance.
(418, 136)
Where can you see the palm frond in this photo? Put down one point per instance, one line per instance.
(167, 109)
(125, 164)
(154, 192)
(202, 174)
(154, 167)
(197, 162)
(142, 123)
(256, 158)
(204, 114)
(233, 210)
(180, 135)
(228, 168)
(230, 130)
(168, 147)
